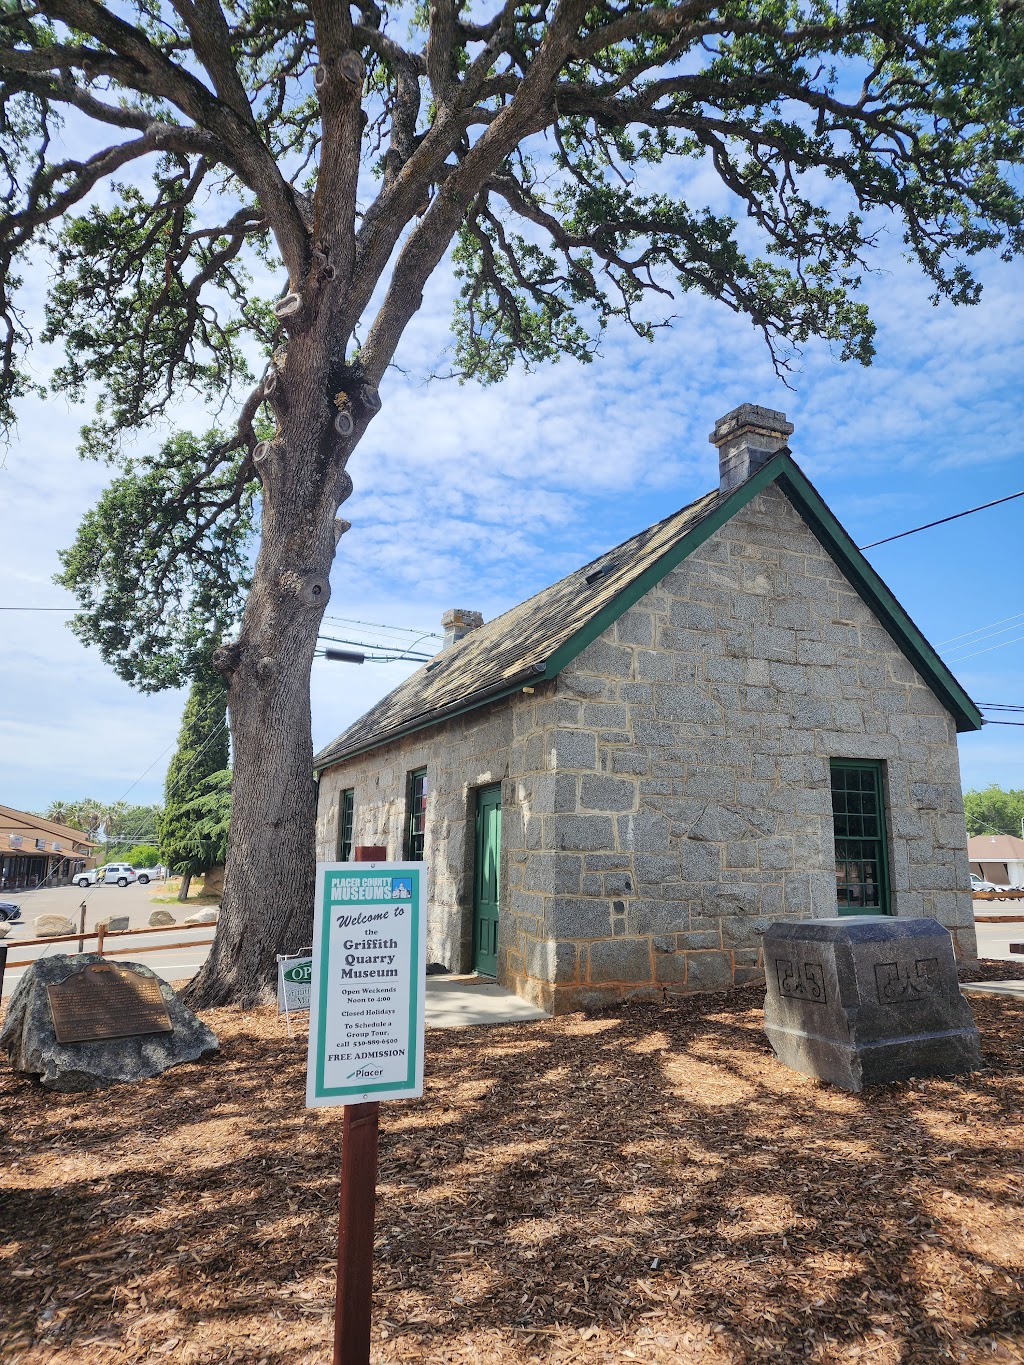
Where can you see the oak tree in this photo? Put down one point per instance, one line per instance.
(171, 153)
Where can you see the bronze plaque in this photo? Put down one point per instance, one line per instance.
(106, 1000)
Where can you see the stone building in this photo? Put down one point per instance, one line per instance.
(726, 720)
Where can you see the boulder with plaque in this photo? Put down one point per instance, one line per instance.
(864, 999)
(82, 1022)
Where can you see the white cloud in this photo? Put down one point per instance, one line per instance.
(477, 497)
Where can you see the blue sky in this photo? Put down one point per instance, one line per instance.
(476, 498)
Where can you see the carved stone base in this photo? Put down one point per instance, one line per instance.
(864, 999)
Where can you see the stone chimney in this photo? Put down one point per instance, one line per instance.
(746, 439)
(456, 623)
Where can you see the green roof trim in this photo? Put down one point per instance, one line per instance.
(783, 471)
(535, 640)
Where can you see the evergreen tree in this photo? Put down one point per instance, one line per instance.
(202, 751)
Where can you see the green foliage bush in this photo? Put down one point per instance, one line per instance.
(143, 855)
(994, 811)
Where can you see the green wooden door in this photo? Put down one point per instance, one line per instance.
(485, 889)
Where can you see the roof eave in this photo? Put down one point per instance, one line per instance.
(536, 672)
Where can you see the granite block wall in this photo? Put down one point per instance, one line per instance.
(669, 792)
(688, 755)
(459, 756)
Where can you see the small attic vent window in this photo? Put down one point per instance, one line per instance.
(602, 572)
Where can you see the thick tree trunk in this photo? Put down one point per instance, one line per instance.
(267, 905)
(186, 882)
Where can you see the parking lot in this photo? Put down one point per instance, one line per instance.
(174, 964)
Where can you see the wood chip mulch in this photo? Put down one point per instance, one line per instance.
(645, 1185)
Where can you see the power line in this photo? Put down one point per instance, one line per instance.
(378, 625)
(209, 739)
(68, 611)
(341, 656)
(1002, 645)
(362, 644)
(942, 520)
(977, 630)
(983, 634)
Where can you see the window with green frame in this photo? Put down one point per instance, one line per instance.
(346, 813)
(415, 814)
(862, 855)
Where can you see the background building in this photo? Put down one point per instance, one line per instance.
(34, 851)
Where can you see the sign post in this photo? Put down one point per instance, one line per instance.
(365, 1045)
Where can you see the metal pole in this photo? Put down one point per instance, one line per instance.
(354, 1291)
(81, 927)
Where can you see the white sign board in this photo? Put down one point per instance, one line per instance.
(368, 981)
(294, 975)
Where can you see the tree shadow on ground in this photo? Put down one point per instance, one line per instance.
(648, 1184)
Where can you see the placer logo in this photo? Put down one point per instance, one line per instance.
(401, 888)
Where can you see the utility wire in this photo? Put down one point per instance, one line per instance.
(1002, 645)
(377, 625)
(977, 630)
(982, 635)
(362, 644)
(68, 611)
(213, 705)
(942, 520)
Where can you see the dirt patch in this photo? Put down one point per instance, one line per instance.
(647, 1185)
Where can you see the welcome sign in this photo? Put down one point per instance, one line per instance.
(368, 979)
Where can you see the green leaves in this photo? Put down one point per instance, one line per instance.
(160, 564)
(148, 304)
(814, 119)
(994, 811)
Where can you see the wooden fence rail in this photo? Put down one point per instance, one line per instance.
(103, 937)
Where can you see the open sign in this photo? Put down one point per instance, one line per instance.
(294, 976)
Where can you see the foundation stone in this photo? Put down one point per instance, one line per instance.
(864, 999)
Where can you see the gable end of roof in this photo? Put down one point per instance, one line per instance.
(780, 470)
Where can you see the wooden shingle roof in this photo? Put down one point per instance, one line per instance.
(537, 638)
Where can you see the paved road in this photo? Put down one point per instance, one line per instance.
(994, 940)
(175, 964)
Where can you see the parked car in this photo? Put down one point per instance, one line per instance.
(144, 875)
(9, 911)
(110, 874)
(979, 884)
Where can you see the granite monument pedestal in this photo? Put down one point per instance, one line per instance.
(864, 999)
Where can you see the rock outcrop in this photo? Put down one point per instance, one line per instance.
(30, 1037)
